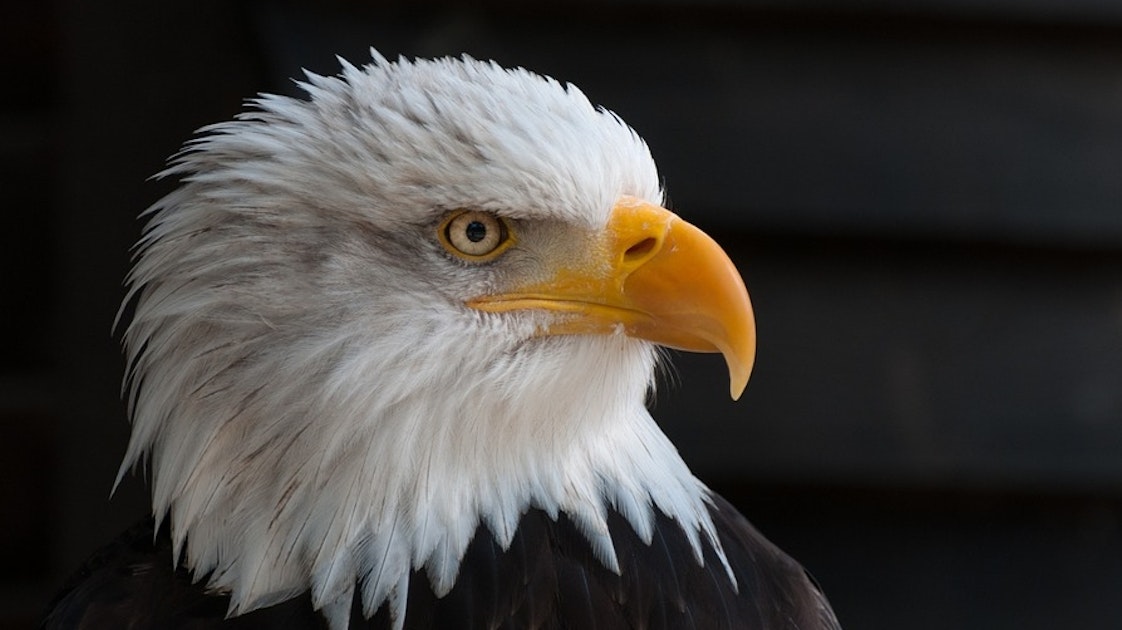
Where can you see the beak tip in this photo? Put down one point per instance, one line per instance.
(740, 359)
(736, 387)
(738, 379)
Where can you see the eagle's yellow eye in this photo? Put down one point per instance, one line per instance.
(475, 235)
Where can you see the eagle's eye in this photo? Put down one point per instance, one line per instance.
(474, 235)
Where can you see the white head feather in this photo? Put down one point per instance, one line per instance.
(319, 408)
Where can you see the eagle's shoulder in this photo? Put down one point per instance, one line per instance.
(549, 577)
(782, 592)
(132, 583)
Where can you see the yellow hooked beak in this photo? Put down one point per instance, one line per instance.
(651, 276)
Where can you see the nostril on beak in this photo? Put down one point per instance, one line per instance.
(640, 250)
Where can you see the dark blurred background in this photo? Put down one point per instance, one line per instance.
(924, 196)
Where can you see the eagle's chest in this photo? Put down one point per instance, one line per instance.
(549, 577)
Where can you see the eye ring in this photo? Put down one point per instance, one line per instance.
(475, 235)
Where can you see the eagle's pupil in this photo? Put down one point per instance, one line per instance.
(476, 231)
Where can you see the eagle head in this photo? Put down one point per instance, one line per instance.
(421, 301)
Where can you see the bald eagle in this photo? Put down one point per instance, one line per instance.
(388, 363)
